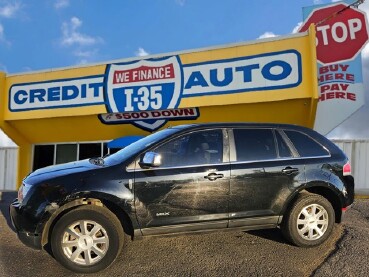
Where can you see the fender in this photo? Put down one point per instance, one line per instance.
(325, 189)
(123, 210)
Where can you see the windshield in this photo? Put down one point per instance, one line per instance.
(138, 146)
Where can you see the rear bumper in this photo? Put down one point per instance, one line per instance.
(343, 213)
(22, 225)
(350, 190)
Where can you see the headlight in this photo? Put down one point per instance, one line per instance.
(22, 192)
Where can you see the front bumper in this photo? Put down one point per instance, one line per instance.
(24, 227)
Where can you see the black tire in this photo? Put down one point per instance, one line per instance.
(94, 240)
(309, 221)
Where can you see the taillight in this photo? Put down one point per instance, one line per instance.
(346, 169)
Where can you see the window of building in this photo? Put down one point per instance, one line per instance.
(51, 154)
(90, 150)
(66, 153)
(43, 155)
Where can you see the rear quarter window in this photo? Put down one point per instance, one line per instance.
(305, 145)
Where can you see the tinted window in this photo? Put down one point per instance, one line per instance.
(254, 144)
(66, 153)
(89, 150)
(43, 156)
(283, 149)
(205, 147)
(306, 146)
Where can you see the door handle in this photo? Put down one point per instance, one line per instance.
(213, 176)
(289, 170)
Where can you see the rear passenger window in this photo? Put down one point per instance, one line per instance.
(306, 146)
(254, 144)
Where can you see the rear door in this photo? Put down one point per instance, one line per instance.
(190, 190)
(264, 171)
(315, 156)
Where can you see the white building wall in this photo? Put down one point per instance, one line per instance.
(358, 153)
(8, 168)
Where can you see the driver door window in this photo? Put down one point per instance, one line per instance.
(197, 148)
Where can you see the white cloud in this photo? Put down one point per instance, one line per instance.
(365, 52)
(83, 62)
(71, 36)
(141, 52)
(3, 39)
(181, 2)
(3, 68)
(364, 7)
(10, 9)
(1, 32)
(267, 35)
(297, 28)
(83, 46)
(60, 4)
(26, 69)
(85, 53)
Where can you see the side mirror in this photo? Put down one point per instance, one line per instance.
(150, 159)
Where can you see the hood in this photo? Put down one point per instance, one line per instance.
(59, 170)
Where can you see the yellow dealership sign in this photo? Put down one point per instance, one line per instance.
(262, 81)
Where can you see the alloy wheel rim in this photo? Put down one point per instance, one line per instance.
(312, 222)
(85, 242)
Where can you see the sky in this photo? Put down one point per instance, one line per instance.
(44, 34)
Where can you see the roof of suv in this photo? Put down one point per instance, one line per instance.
(241, 124)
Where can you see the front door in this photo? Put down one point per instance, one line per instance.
(191, 187)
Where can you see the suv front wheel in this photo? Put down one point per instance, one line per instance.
(310, 220)
(87, 239)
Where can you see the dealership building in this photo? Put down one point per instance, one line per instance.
(68, 114)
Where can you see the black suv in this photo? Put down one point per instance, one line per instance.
(185, 179)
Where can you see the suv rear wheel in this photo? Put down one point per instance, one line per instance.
(310, 220)
(87, 239)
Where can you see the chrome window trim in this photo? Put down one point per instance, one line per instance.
(231, 162)
(138, 169)
(294, 152)
(228, 133)
(232, 146)
(226, 149)
(281, 159)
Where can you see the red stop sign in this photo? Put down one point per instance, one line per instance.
(341, 37)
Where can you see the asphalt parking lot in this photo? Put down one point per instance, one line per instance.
(254, 253)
